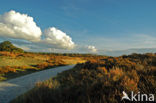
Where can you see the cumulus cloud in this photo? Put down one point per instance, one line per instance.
(21, 26)
(57, 38)
(92, 48)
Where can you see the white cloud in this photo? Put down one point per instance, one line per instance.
(57, 38)
(24, 47)
(21, 26)
(92, 48)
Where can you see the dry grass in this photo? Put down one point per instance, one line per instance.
(15, 63)
(100, 80)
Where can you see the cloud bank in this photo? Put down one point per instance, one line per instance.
(21, 26)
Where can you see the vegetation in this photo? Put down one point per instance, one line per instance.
(13, 64)
(100, 80)
(9, 47)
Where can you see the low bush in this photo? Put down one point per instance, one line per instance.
(100, 80)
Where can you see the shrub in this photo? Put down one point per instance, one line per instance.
(4, 70)
(7, 46)
(99, 80)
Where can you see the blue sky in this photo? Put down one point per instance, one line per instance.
(106, 24)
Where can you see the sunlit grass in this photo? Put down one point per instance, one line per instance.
(13, 64)
(100, 80)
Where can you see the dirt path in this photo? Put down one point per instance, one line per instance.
(12, 88)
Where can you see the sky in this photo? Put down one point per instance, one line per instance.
(79, 25)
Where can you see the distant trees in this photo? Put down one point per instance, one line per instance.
(8, 46)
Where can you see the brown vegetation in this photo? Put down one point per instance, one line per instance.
(13, 63)
(100, 80)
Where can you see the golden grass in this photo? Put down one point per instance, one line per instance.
(100, 80)
(15, 62)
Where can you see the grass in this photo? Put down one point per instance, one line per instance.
(17, 64)
(100, 80)
(21, 61)
(73, 60)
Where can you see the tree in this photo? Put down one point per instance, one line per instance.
(8, 46)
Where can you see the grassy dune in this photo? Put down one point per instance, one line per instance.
(100, 80)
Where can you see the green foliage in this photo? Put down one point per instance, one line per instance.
(8, 46)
